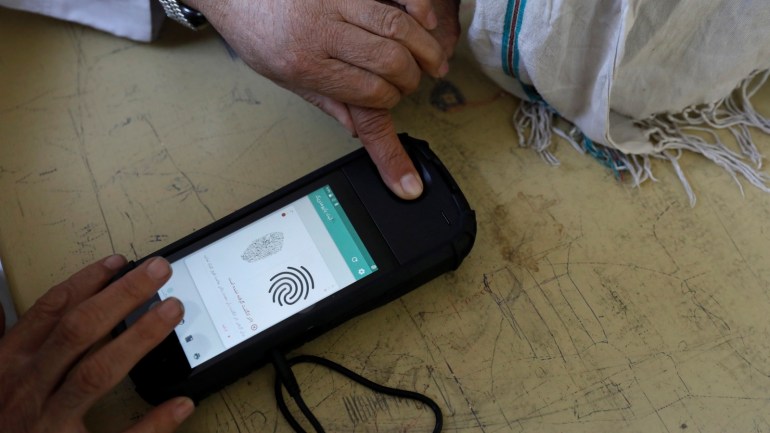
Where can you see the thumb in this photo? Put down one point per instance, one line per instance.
(378, 135)
(165, 418)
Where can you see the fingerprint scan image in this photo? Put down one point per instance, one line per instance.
(265, 246)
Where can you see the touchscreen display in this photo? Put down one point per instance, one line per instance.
(256, 277)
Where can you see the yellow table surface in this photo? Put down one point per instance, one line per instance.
(587, 305)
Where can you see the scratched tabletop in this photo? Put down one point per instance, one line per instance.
(586, 305)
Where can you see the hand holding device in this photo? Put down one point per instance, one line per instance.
(49, 372)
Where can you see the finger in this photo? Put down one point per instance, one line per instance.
(448, 31)
(37, 323)
(376, 131)
(81, 327)
(392, 23)
(381, 56)
(333, 108)
(340, 81)
(422, 11)
(102, 370)
(165, 418)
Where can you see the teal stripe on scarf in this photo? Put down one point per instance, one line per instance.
(514, 16)
(509, 41)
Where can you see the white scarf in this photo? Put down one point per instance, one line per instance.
(620, 69)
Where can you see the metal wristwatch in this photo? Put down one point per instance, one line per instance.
(183, 14)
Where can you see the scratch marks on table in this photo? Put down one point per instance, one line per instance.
(552, 316)
(662, 242)
(86, 236)
(589, 344)
(625, 395)
(513, 246)
(244, 96)
(18, 202)
(76, 35)
(468, 400)
(750, 267)
(193, 188)
(122, 124)
(4, 171)
(77, 125)
(226, 399)
(707, 306)
(513, 287)
(365, 408)
(121, 49)
(259, 139)
(430, 347)
(607, 397)
(29, 103)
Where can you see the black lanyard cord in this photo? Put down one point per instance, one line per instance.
(285, 377)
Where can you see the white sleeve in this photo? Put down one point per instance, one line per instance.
(134, 19)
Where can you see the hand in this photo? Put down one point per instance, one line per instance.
(375, 129)
(347, 57)
(360, 52)
(51, 374)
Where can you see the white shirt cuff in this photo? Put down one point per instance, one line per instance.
(139, 20)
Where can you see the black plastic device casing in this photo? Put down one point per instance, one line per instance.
(428, 237)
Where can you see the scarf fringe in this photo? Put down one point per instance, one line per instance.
(537, 118)
(691, 130)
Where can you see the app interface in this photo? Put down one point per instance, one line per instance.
(265, 272)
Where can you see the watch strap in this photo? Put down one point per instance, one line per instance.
(185, 15)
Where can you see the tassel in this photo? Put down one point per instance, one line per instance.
(537, 118)
(671, 134)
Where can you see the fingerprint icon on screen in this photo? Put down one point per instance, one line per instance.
(291, 285)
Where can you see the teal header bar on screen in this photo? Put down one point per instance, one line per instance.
(342, 232)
